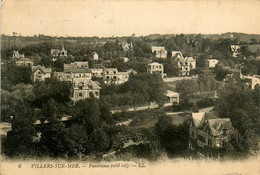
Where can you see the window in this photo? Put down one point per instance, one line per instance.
(80, 94)
(224, 132)
(80, 86)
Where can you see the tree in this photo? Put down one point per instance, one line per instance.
(173, 138)
(240, 106)
(187, 88)
(51, 88)
(195, 107)
(87, 113)
(99, 141)
(76, 140)
(171, 69)
(221, 73)
(50, 111)
(12, 75)
(14, 102)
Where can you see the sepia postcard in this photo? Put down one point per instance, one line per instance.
(130, 87)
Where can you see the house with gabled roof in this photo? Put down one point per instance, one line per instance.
(73, 73)
(235, 50)
(82, 89)
(59, 53)
(113, 76)
(40, 73)
(76, 64)
(186, 65)
(24, 62)
(209, 132)
(177, 54)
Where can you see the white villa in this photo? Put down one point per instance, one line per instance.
(159, 52)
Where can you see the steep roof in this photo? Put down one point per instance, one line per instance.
(218, 125)
(201, 118)
(88, 83)
(176, 54)
(190, 59)
(197, 117)
(42, 68)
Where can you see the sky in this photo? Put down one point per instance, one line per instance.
(123, 18)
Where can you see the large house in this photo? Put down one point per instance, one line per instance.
(112, 76)
(251, 81)
(82, 89)
(73, 73)
(127, 46)
(16, 55)
(159, 52)
(208, 132)
(40, 73)
(57, 53)
(212, 63)
(156, 68)
(24, 62)
(186, 65)
(235, 50)
(21, 60)
(173, 98)
(76, 64)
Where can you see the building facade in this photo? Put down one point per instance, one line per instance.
(155, 67)
(235, 50)
(209, 133)
(73, 73)
(59, 53)
(40, 73)
(95, 56)
(24, 62)
(186, 65)
(75, 65)
(159, 52)
(212, 63)
(173, 98)
(82, 89)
